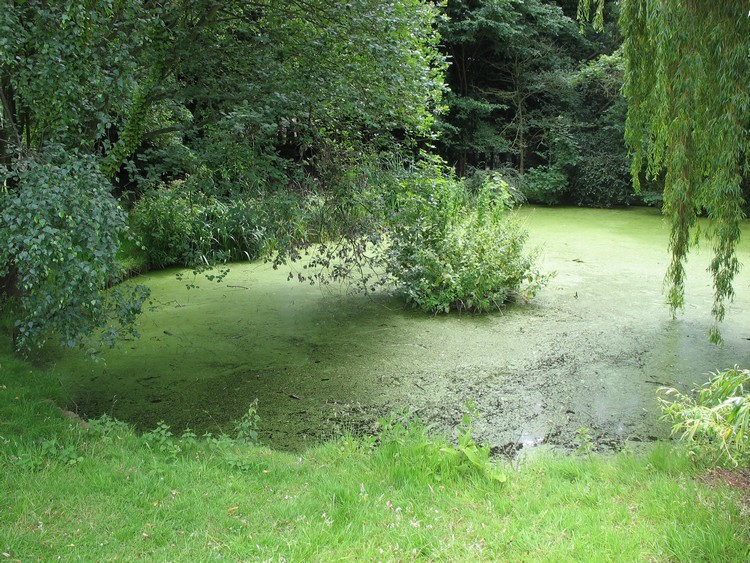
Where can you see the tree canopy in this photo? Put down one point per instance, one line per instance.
(533, 97)
(251, 97)
(506, 81)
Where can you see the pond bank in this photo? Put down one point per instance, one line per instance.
(589, 352)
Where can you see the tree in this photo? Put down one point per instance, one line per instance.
(67, 75)
(686, 80)
(243, 98)
(284, 103)
(506, 54)
(61, 230)
(601, 177)
(516, 94)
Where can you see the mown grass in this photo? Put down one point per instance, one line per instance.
(100, 492)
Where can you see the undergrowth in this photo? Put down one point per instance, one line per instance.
(99, 491)
(714, 419)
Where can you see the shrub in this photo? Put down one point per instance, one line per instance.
(503, 183)
(62, 229)
(544, 184)
(185, 228)
(717, 417)
(233, 229)
(449, 251)
(166, 222)
(602, 177)
(603, 180)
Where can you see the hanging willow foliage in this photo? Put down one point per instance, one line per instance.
(687, 76)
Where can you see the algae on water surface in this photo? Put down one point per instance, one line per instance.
(590, 351)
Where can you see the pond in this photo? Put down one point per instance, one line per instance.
(589, 352)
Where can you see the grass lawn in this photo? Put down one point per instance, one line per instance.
(100, 492)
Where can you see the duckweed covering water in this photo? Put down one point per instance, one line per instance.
(590, 351)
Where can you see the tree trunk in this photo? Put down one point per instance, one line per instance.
(521, 141)
(9, 291)
(9, 134)
(462, 164)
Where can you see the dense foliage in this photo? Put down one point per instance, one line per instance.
(716, 418)
(61, 228)
(277, 95)
(182, 228)
(601, 176)
(452, 251)
(533, 96)
(251, 112)
(67, 74)
(504, 78)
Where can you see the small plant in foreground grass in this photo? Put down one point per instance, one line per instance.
(43, 454)
(26, 461)
(162, 439)
(105, 427)
(246, 429)
(477, 456)
(407, 440)
(65, 454)
(396, 432)
(189, 438)
(716, 418)
(160, 435)
(585, 441)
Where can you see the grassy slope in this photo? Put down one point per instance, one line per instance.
(102, 493)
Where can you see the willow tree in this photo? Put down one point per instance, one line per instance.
(687, 71)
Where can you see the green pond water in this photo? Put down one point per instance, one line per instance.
(590, 351)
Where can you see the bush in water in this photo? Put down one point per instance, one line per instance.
(450, 250)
